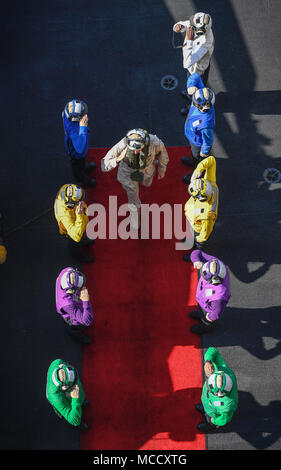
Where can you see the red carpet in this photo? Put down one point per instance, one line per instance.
(143, 372)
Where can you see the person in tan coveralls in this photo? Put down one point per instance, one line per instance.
(136, 154)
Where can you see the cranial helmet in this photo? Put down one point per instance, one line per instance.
(136, 139)
(201, 189)
(201, 22)
(219, 383)
(203, 99)
(72, 280)
(71, 377)
(71, 195)
(75, 109)
(214, 271)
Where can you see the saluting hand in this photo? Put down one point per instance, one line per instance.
(195, 175)
(75, 391)
(84, 294)
(198, 264)
(81, 208)
(208, 368)
(190, 33)
(84, 120)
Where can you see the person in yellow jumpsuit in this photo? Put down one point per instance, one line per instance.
(71, 215)
(201, 209)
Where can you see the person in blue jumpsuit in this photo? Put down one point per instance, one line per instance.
(76, 139)
(200, 122)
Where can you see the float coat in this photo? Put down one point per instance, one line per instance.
(199, 126)
(202, 215)
(70, 408)
(221, 409)
(72, 309)
(76, 138)
(70, 224)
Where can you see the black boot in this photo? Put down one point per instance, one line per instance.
(89, 182)
(186, 179)
(85, 241)
(90, 166)
(78, 336)
(185, 95)
(200, 408)
(195, 314)
(77, 252)
(83, 427)
(201, 328)
(186, 257)
(86, 258)
(83, 257)
(205, 427)
(85, 340)
(189, 161)
(184, 110)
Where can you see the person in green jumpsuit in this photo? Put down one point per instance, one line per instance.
(65, 392)
(219, 395)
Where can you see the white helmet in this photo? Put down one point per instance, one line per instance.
(203, 99)
(214, 271)
(72, 280)
(201, 22)
(201, 189)
(219, 383)
(70, 374)
(75, 109)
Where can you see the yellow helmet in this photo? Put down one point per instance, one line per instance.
(3, 254)
(71, 194)
(201, 189)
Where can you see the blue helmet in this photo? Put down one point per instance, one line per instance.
(203, 99)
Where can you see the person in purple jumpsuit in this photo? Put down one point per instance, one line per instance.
(73, 303)
(213, 291)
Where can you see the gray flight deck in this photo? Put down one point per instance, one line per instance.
(113, 54)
